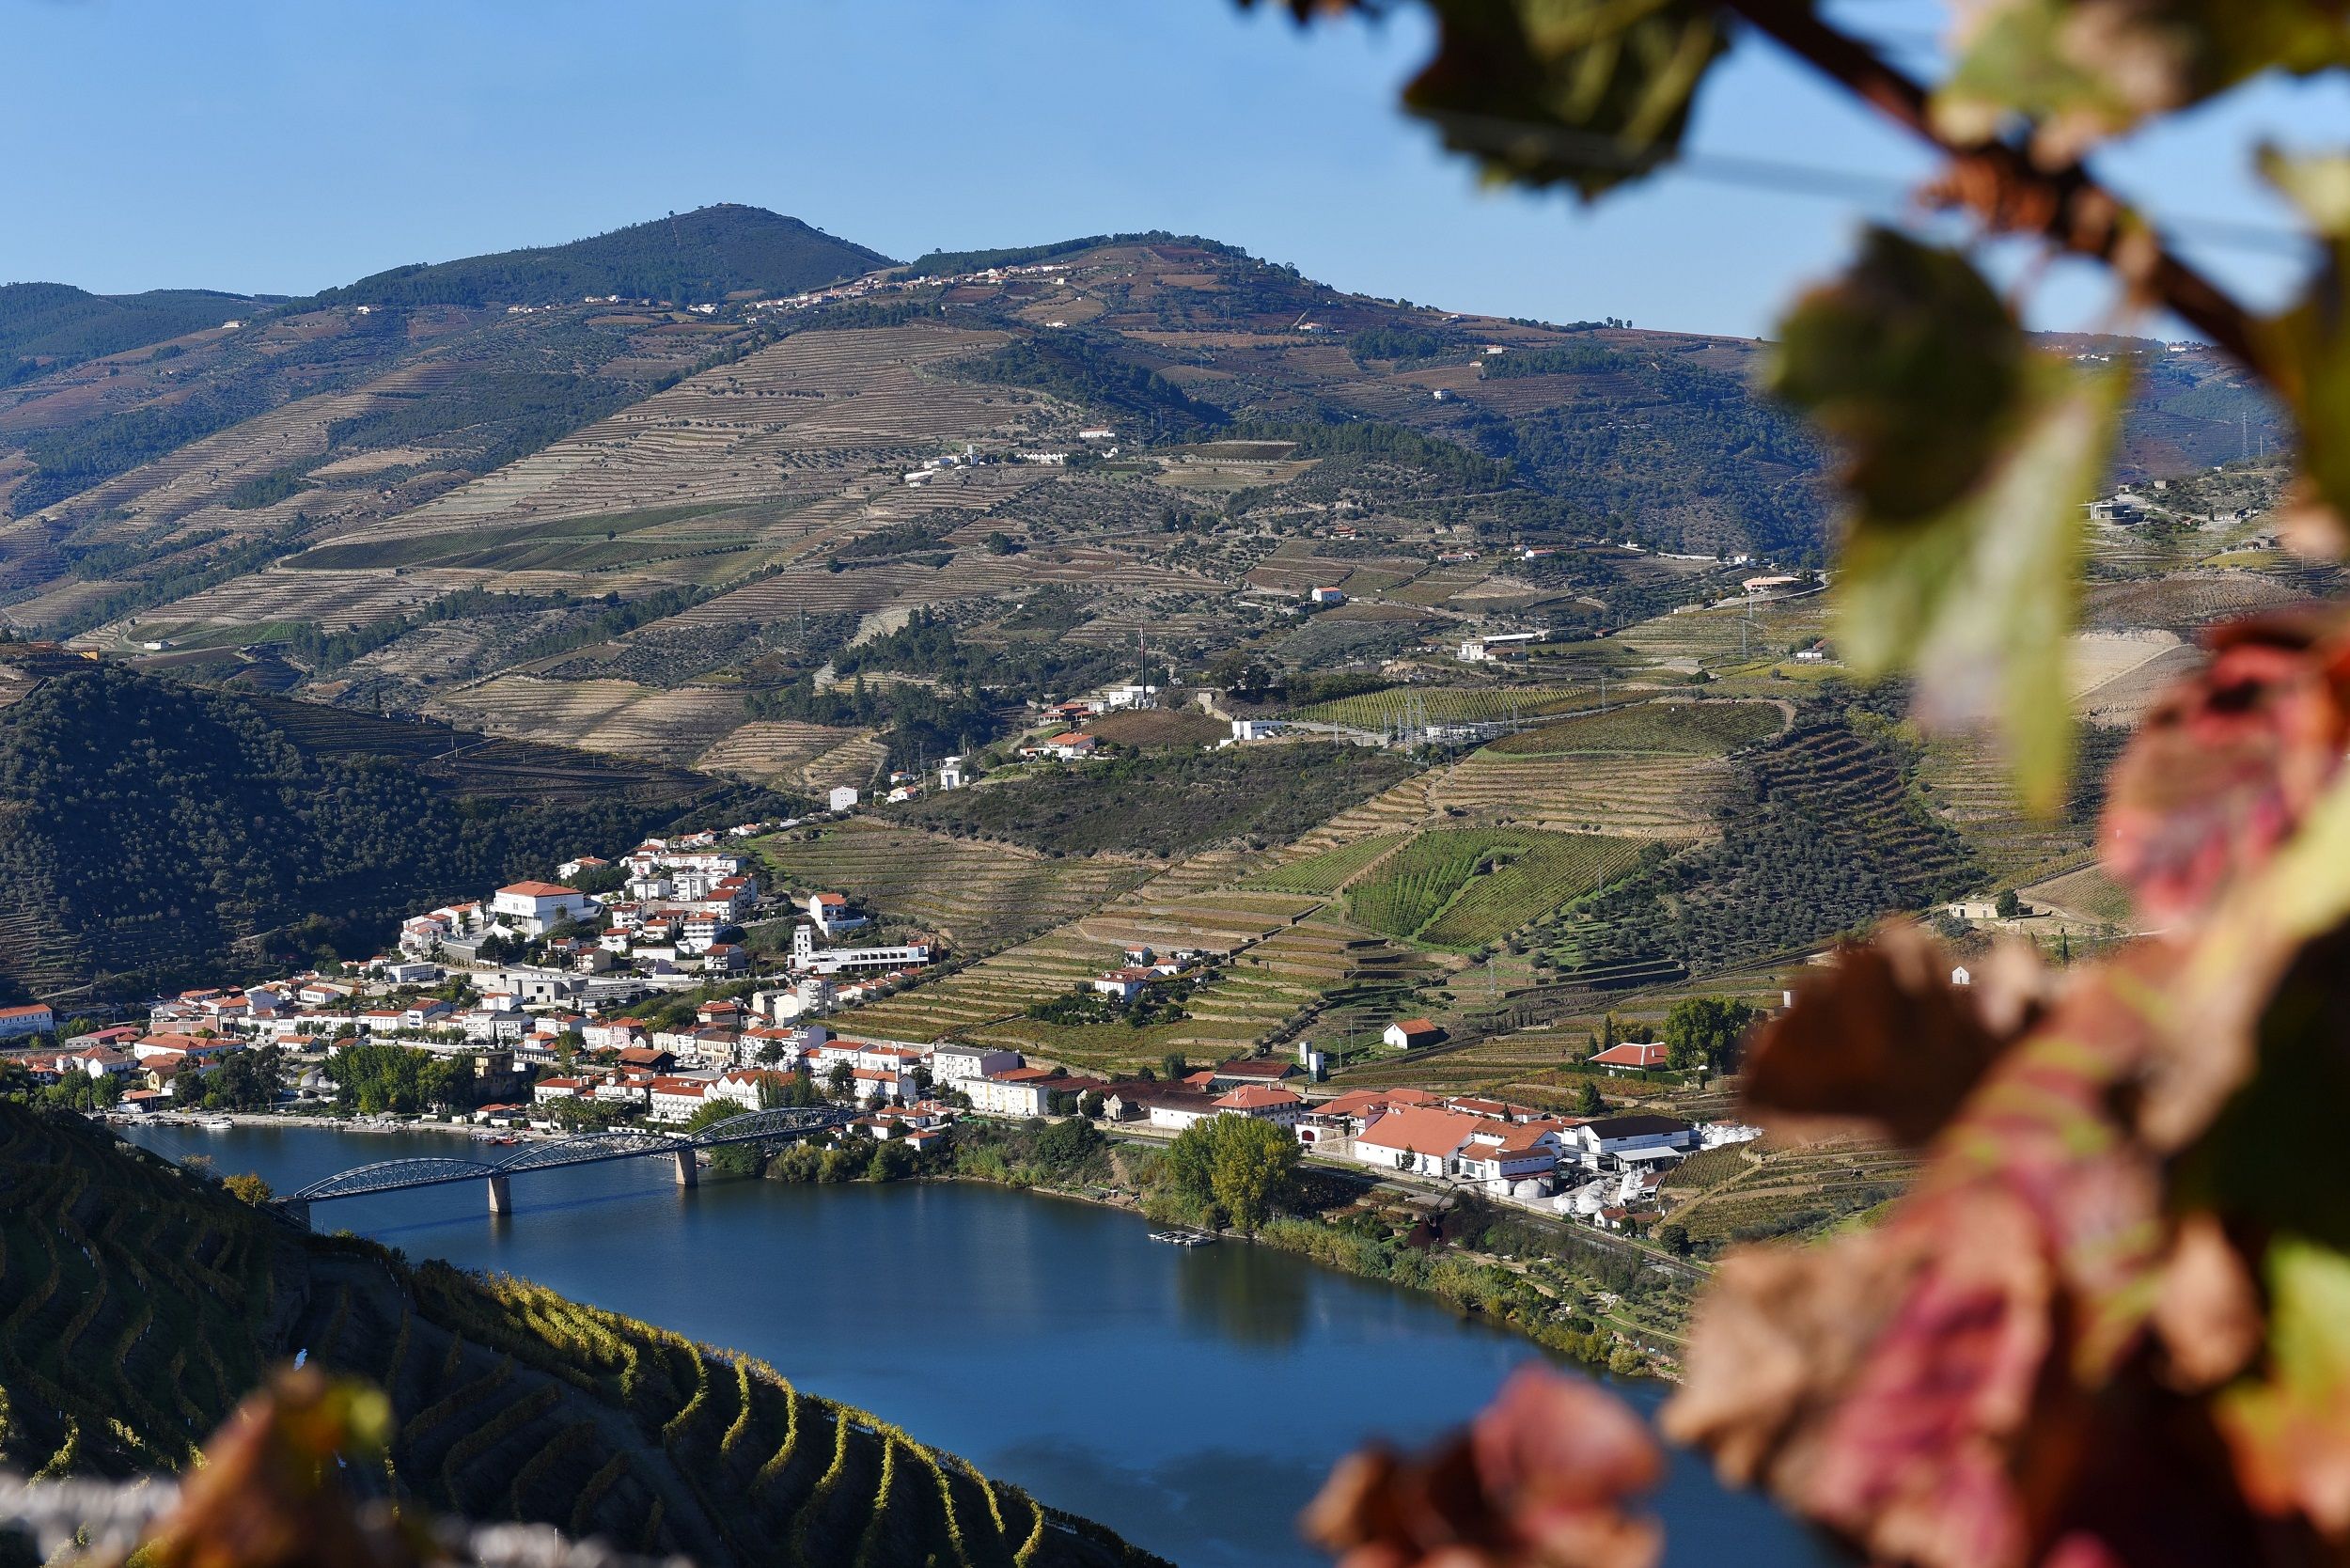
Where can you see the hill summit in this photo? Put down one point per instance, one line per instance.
(705, 255)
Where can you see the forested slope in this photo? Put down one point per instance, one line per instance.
(140, 1302)
(149, 831)
(703, 255)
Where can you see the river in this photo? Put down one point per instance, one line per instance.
(1191, 1399)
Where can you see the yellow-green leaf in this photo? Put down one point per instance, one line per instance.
(2306, 351)
(1979, 600)
(2290, 1428)
(2082, 71)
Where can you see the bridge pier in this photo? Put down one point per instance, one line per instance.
(501, 1201)
(688, 1170)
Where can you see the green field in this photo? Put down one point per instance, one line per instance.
(1325, 872)
(1449, 705)
(1685, 729)
(1462, 887)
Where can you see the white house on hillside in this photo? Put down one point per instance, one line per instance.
(535, 908)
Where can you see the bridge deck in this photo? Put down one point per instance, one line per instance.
(588, 1149)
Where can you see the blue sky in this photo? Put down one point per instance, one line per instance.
(287, 144)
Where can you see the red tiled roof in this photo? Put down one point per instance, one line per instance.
(1421, 1130)
(539, 889)
(1632, 1054)
(1252, 1096)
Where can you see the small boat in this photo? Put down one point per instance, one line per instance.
(1182, 1238)
(217, 1124)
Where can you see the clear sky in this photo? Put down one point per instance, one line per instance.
(283, 145)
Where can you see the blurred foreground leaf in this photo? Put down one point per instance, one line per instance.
(2083, 71)
(1980, 600)
(1588, 93)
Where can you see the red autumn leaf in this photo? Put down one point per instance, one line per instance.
(1540, 1478)
(1898, 1383)
(1883, 1036)
(2224, 768)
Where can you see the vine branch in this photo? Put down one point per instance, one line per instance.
(1998, 181)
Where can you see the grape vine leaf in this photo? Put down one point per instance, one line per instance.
(1980, 601)
(2306, 351)
(1586, 93)
(2083, 71)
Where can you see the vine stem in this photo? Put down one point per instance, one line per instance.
(1998, 181)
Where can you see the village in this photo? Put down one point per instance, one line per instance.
(548, 1010)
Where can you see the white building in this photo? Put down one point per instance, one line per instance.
(950, 774)
(18, 1022)
(953, 1062)
(843, 798)
(1012, 1091)
(831, 913)
(535, 908)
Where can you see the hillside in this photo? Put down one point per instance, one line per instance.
(46, 325)
(711, 253)
(141, 1303)
(150, 831)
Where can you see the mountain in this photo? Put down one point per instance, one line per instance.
(647, 528)
(44, 327)
(153, 831)
(146, 1302)
(711, 253)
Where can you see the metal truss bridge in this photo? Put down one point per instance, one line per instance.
(433, 1170)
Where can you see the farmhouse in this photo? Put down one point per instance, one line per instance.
(1263, 1101)
(1067, 747)
(1326, 596)
(1410, 1034)
(1632, 1056)
(1254, 1070)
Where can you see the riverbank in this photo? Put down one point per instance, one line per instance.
(1568, 1294)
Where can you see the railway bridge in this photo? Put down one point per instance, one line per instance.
(434, 1170)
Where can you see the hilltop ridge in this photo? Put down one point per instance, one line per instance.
(711, 253)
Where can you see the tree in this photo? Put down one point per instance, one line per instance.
(1174, 1066)
(1587, 1103)
(247, 1187)
(1091, 1105)
(1705, 1031)
(2007, 907)
(841, 1080)
(1238, 1165)
(1065, 1144)
(1673, 1237)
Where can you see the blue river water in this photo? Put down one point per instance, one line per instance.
(1191, 1399)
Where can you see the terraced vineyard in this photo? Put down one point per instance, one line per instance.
(616, 716)
(1756, 1190)
(1694, 729)
(1329, 871)
(1461, 888)
(977, 897)
(1449, 705)
(1967, 781)
(1666, 796)
(141, 1303)
(1832, 833)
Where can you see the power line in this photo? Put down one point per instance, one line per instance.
(1495, 135)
